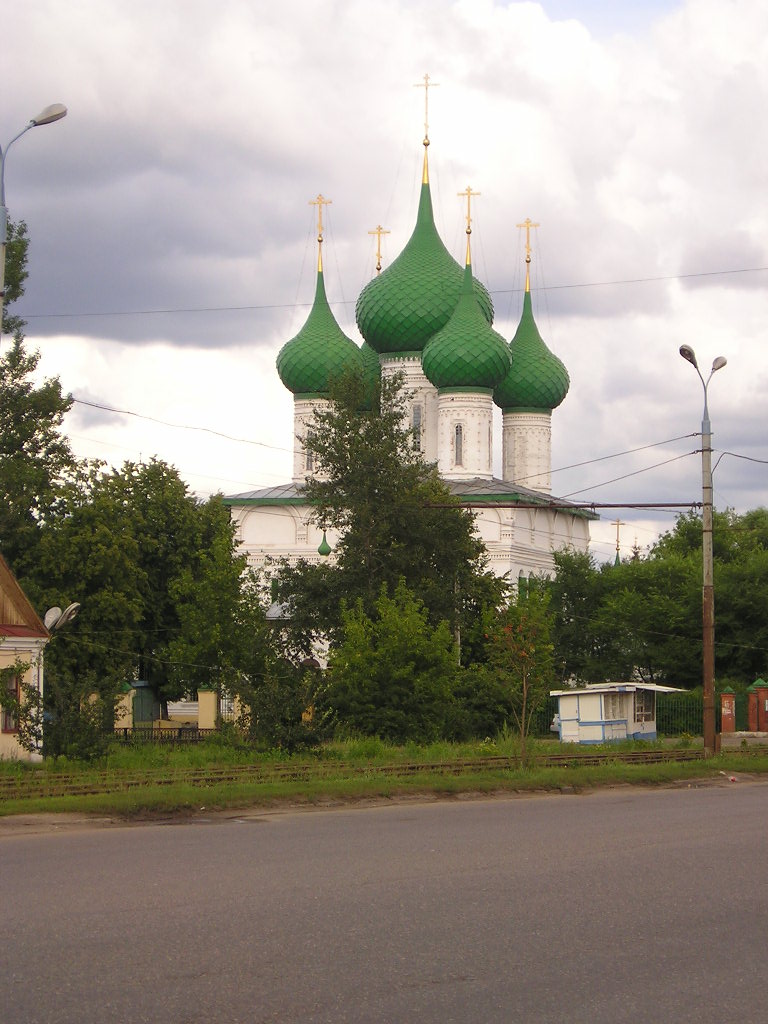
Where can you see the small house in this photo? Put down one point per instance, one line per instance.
(22, 639)
(606, 712)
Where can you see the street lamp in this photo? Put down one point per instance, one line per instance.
(53, 113)
(708, 579)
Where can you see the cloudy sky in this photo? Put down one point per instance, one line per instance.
(173, 247)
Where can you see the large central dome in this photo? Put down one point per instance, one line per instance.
(413, 299)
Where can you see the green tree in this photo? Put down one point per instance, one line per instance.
(16, 254)
(520, 655)
(393, 673)
(395, 518)
(35, 458)
(643, 617)
(163, 593)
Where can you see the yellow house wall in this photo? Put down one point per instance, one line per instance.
(124, 711)
(10, 749)
(207, 709)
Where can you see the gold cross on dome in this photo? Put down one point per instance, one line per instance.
(469, 193)
(618, 524)
(426, 85)
(320, 202)
(378, 231)
(528, 224)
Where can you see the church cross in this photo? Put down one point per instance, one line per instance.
(378, 231)
(469, 193)
(426, 85)
(528, 224)
(618, 524)
(320, 202)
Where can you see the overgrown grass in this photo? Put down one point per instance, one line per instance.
(184, 798)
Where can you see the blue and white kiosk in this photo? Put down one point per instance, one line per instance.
(606, 712)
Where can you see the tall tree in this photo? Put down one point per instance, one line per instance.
(16, 253)
(160, 584)
(395, 518)
(35, 458)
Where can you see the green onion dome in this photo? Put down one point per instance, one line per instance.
(537, 379)
(371, 373)
(467, 352)
(401, 308)
(320, 351)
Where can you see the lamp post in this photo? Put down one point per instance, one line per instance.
(53, 113)
(708, 579)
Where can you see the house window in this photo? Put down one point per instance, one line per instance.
(9, 723)
(645, 705)
(459, 445)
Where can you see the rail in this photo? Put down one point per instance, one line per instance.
(42, 782)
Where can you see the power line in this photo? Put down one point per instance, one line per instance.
(180, 426)
(348, 302)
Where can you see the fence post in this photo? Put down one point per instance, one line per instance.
(752, 706)
(761, 691)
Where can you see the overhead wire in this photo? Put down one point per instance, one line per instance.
(253, 307)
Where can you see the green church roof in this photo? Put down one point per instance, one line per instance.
(371, 373)
(537, 379)
(320, 351)
(403, 307)
(467, 352)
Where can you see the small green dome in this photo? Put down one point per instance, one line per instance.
(320, 351)
(371, 373)
(401, 308)
(467, 352)
(537, 379)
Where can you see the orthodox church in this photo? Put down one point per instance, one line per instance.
(430, 319)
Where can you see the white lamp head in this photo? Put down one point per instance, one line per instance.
(687, 353)
(54, 112)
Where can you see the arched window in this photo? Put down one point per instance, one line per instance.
(309, 462)
(458, 441)
(416, 420)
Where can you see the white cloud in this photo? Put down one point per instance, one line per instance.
(197, 134)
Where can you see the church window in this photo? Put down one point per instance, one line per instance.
(417, 426)
(309, 462)
(459, 445)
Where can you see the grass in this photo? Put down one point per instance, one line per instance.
(320, 783)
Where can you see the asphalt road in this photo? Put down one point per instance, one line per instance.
(623, 905)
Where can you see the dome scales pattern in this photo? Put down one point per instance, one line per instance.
(402, 308)
(320, 351)
(537, 379)
(467, 352)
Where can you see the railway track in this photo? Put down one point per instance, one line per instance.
(42, 783)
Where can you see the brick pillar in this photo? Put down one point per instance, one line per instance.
(728, 710)
(761, 689)
(752, 708)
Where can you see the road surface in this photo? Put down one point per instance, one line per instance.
(622, 905)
